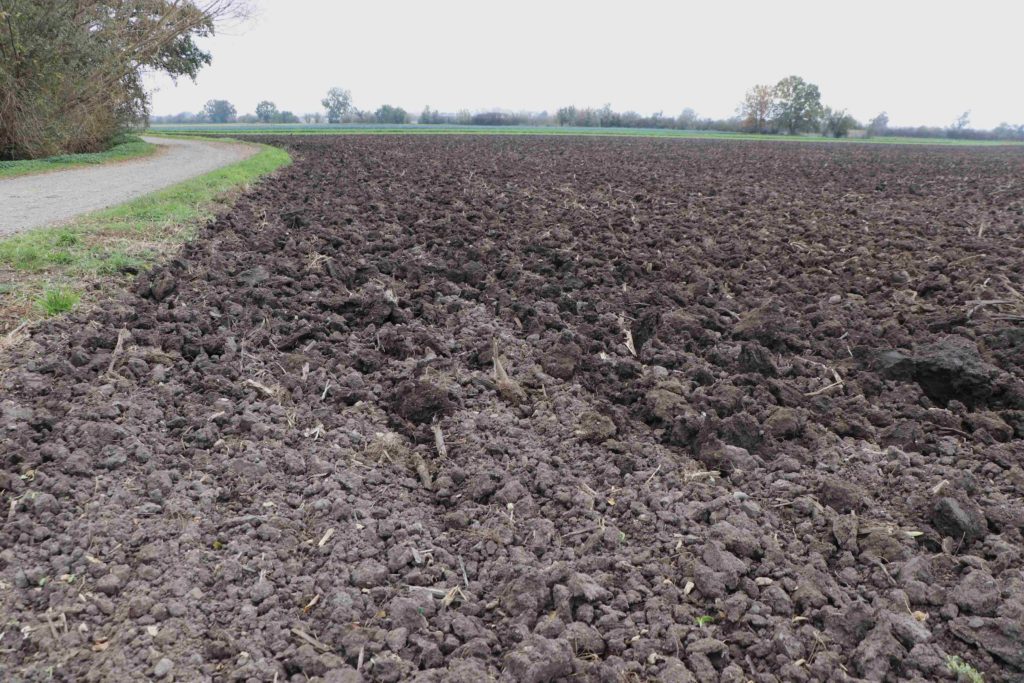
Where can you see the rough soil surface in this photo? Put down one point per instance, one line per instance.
(39, 200)
(538, 409)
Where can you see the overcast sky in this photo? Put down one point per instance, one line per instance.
(924, 62)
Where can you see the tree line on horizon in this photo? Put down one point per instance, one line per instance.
(792, 106)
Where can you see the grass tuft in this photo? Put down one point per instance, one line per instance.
(66, 238)
(960, 668)
(58, 300)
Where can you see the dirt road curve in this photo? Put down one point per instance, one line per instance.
(38, 200)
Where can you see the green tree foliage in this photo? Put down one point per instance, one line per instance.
(836, 122)
(219, 111)
(798, 105)
(389, 114)
(338, 103)
(266, 111)
(71, 71)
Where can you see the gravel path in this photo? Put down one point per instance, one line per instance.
(40, 200)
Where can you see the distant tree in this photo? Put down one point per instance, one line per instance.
(183, 117)
(606, 118)
(219, 111)
(836, 122)
(566, 116)
(338, 103)
(1008, 131)
(285, 117)
(389, 114)
(495, 118)
(315, 117)
(759, 107)
(799, 105)
(431, 116)
(463, 117)
(588, 118)
(687, 119)
(962, 122)
(266, 111)
(879, 125)
(632, 119)
(247, 118)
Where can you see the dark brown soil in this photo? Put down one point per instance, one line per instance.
(539, 409)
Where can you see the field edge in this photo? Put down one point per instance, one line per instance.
(218, 130)
(81, 260)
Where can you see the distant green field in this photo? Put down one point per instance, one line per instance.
(417, 129)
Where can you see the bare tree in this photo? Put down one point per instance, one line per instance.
(759, 107)
(962, 122)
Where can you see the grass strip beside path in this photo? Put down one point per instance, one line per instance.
(130, 147)
(84, 257)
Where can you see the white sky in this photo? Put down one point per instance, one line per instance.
(924, 62)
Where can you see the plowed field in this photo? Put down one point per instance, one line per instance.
(537, 409)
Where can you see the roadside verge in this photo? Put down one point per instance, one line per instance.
(129, 147)
(48, 271)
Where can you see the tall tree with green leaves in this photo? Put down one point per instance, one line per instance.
(798, 105)
(219, 111)
(266, 111)
(389, 114)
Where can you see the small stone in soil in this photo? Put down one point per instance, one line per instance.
(162, 668)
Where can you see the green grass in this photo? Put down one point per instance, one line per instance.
(57, 300)
(129, 147)
(118, 241)
(959, 667)
(191, 201)
(418, 129)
